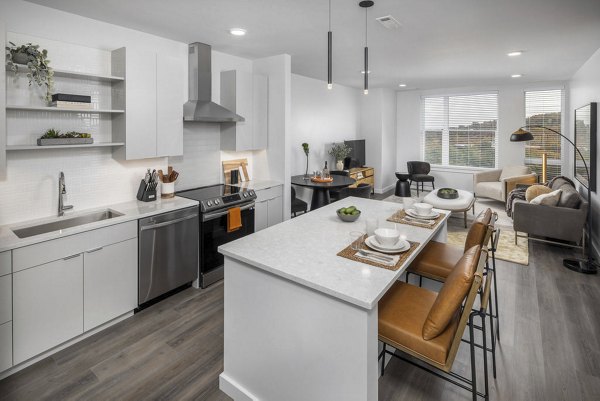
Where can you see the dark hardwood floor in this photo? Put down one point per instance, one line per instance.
(550, 349)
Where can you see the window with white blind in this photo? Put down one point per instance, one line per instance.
(460, 130)
(544, 107)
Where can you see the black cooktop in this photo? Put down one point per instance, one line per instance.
(219, 196)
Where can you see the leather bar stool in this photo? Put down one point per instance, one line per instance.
(430, 326)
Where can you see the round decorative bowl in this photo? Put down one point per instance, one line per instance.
(447, 193)
(348, 218)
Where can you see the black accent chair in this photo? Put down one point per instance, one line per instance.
(361, 191)
(419, 173)
(298, 205)
(334, 194)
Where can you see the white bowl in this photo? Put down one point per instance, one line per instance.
(387, 236)
(424, 209)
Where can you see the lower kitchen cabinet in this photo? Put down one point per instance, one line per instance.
(47, 306)
(6, 356)
(109, 282)
(268, 209)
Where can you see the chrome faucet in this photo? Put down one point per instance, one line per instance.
(62, 190)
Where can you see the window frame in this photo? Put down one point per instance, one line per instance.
(446, 166)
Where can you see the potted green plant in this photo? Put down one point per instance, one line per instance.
(37, 64)
(340, 151)
(54, 137)
(306, 151)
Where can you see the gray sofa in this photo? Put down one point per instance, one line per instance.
(565, 222)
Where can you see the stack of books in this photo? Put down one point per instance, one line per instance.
(66, 101)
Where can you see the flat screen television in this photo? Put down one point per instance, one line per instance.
(357, 155)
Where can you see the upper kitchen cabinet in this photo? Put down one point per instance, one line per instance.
(2, 110)
(152, 95)
(245, 94)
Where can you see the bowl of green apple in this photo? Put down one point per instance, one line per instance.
(348, 214)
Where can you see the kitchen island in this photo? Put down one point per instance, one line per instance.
(300, 321)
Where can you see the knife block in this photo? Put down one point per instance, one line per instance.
(145, 195)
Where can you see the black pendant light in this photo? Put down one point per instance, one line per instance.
(329, 56)
(366, 5)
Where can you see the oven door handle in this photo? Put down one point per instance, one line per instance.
(216, 215)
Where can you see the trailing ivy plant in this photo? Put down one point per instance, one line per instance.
(37, 64)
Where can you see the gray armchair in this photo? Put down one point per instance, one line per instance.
(559, 222)
(496, 184)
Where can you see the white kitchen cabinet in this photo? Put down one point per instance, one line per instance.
(269, 207)
(245, 94)
(5, 263)
(5, 298)
(261, 215)
(6, 355)
(170, 73)
(47, 306)
(275, 210)
(151, 96)
(109, 282)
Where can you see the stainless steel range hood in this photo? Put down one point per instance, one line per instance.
(199, 107)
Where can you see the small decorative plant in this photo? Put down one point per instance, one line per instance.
(340, 151)
(306, 151)
(37, 63)
(54, 133)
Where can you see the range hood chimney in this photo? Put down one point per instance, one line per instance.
(199, 107)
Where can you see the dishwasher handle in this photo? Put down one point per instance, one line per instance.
(167, 223)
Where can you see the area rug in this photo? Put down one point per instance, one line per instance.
(507, 249)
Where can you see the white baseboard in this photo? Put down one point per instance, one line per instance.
(385, 189)
(234, 390)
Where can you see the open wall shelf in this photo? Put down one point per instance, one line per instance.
(63, 109)
(82, 75)
(36, 147)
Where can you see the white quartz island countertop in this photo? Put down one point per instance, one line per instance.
(132, 210)
(304, 250)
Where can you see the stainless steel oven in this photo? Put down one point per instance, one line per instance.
(215, 202)
(213, 233)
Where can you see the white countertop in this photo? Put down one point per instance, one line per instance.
(304, 250)
(132, 210)
(257, 185)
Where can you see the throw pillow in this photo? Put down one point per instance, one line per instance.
(569, 197)
(514, 171)
(536, 190)
(549, 199)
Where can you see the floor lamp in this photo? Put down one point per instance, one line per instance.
(587, 265)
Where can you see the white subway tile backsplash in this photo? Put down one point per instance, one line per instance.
(93, 179)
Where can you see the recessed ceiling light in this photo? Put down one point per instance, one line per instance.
(402, 85)
(516, 76)
(514, 54)
(363, 71)
(237, 31)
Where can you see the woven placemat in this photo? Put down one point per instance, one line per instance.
(349, 253)
(399, 216)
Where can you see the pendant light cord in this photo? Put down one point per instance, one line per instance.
(330, 15)
(366, 30)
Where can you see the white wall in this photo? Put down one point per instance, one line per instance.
(511, 115)
(378, 127)
(585, 88)
(320, 117)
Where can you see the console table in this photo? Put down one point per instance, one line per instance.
(363, 175)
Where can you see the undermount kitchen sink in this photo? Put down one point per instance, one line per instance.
(66, 223)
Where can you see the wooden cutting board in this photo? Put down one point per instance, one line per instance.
(236, 164)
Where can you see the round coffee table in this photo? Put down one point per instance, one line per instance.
(402, 185)
(464, 202)
(320, 196)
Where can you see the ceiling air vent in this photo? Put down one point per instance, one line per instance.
(389, 22)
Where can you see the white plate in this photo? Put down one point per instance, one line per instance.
(402, 246)
(413, 213)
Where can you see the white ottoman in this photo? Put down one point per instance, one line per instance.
(464, 202)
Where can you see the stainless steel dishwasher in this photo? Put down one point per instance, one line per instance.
(168, 252)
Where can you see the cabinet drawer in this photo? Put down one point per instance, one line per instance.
(6, 357)
(5, 298)
(269, 193)
(5, 263)
(34, 255)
